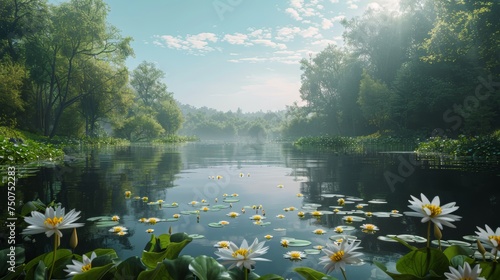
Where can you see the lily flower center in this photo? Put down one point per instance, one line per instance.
(336, 257)
(53, 221)
(496, 238)
(435, 209)
(370, 227)
(241, 251)
(295, 255)
(86, 267)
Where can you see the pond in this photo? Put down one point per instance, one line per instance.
(270, 175)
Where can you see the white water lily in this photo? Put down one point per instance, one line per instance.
(340, 254)
(295, 255)
(433, 211)
(80, 267)
(465, 272)
(490, 238)
(243, 256)
(52, 222)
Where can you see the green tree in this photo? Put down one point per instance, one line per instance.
(12, 76)
(169, 116)
(76, 32)
(375, 100)
(147, 82)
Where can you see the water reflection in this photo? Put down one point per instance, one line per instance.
(95, 184)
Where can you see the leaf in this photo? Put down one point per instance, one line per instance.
(238, 274)
(95, 273)
(270, 277)
(160, 273)
(311, 274)
(40, 271)
(130, 267)
(401, 241)
(179, 267)
(5, 259)
(394, 276)
(207, 268)
(490, 270)
(420, 262)
(166, 247)
(456, 250)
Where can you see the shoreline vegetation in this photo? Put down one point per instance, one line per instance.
(22, 147)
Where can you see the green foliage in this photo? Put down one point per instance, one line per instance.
(311, 274)
(163, 247)
(207, 268)
(18, 151)
(486, 147)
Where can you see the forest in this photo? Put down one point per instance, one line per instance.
(431, 69)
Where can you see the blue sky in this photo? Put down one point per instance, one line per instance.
(230, 54)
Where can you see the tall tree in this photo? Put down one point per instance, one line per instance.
(78, 32)
(148, 84)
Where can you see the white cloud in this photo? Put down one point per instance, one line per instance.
(269, 43)
(236, 39)
(287, 33)
(326, 23)
(310, 32)
(391, 5)
(351, 4)
(297, 3)
(334, 1)
(338, 18)
(324, 42)
(293, 13)
(199, 42)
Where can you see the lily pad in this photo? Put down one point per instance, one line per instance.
(312, 251)
(196, 236)
(298, 242)
(194, 212)
(93, 219)
(220, 206)
(279, 229)
(231, 200)
(106, 224)
(171, 220)
(215, 225)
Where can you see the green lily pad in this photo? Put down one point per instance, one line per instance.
(106, 224)
(171, 220)
(230, 200)
(215, 225)
(194, 212)
(93, 219)
(297, 242)
(196, 236)
(312, 251)
(220, 206)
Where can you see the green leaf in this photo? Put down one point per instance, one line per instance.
(30, 206)
(401, 241)
(40, 271)
(160, 273)
(420, 262)
(179, 267)
(394, 275)
(95, 273)
(270, 277)
(460, 260)
(4, 259)
(312, 274)
(166, 247)
(238, 274)
(207, 268)
(456, 250)
(130, 267)
(490, 270)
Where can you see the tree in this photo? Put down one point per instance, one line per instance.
(375, 100)
(147, 82)
(12, 76)
(169, 116)
(76, 33)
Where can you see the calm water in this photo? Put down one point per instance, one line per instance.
(95, 184)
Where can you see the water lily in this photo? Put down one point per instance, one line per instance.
(280, 186)
(117, 229)
(153, 221)
(280, 216)
(128, 194)
(348, 219)
(222, 244)
(338, 229)
(243, 256)
(341, 201)
(369, 228)
(319, 231)
(115, 218)
(338, 255)
(490, 238)
(80, 267)
(284, 243)
(268, 236)
(205, 209)
(224, 223)
(368, 214)
(122, 233)
(300, 214)
(300, 195)
(150, 230)
(145, 199)
(295, 255)
(257, 217)
(176, 216)
(433, 211)
(233, 214)
(52, 222)
(316, 213)
(143, 220)
(465, 272)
